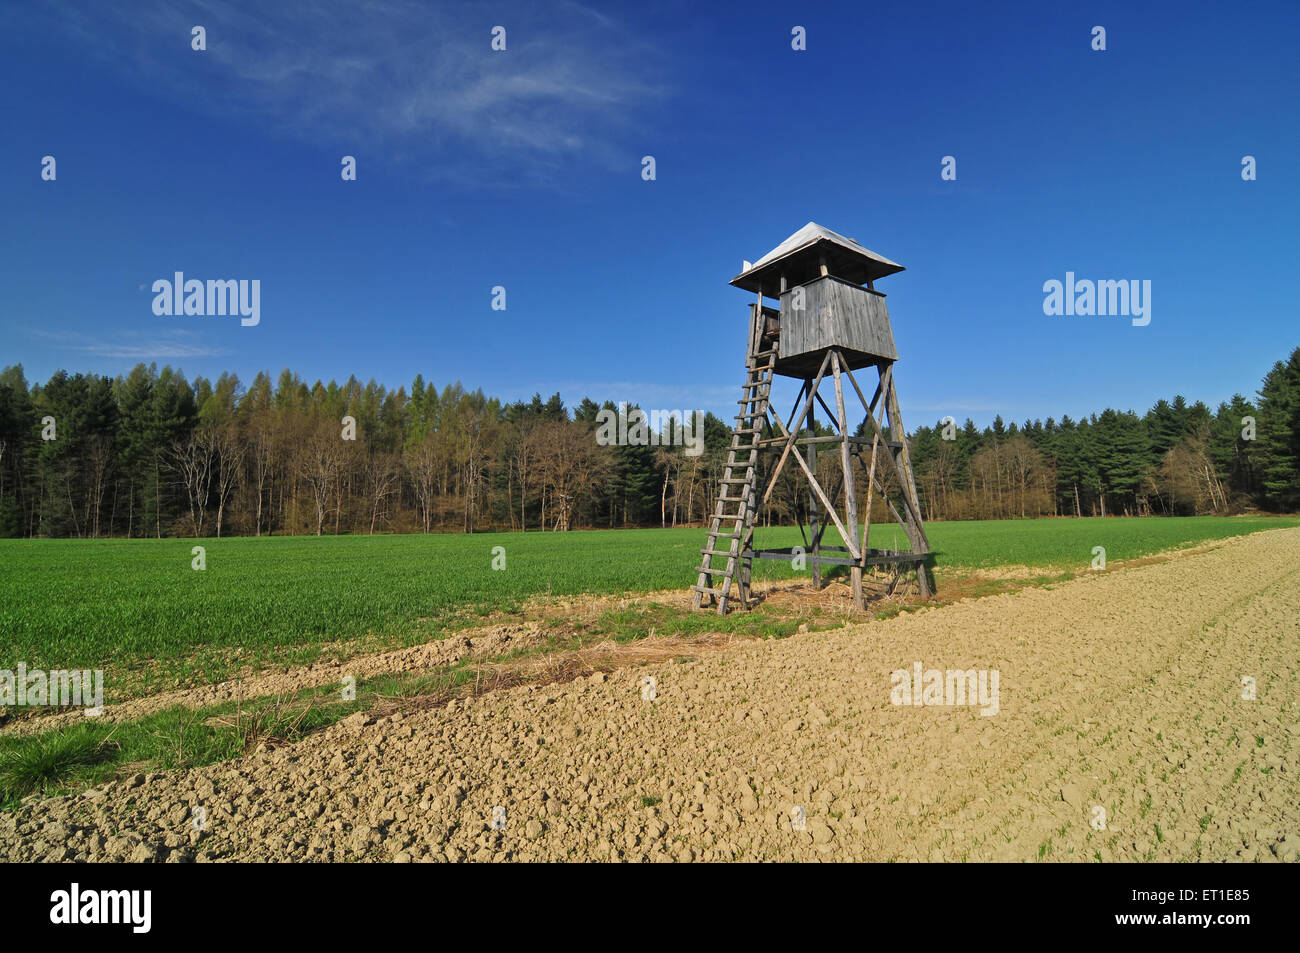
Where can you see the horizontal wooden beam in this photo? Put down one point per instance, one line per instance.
(804, 441)
(873, 557)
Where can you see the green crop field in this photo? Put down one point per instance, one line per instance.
(138, 603)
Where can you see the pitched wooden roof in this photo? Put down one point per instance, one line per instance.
(799, 259)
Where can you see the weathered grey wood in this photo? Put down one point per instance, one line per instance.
(813, 487)
(835, 313)
(899, 518)
(790, 431)
(875, 443)
(791, 450)
(850, 492)
(874, 557)
(850, 539)
(853, 441)
(829, 413)
(841, 327)
(743, 440)
(907, 486)
(906, 478)
(794, 407)
(893, 463)
(912, 523)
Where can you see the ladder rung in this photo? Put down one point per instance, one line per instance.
(733, 480)
(717, 552)
(711, 571)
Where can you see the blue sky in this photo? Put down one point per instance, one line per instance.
(523, 169)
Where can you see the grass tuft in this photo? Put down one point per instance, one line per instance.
(53, 761)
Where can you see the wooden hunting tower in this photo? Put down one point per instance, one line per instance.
(830, 323)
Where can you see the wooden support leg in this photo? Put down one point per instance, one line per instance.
(850, 491)
(871, 470)
(812, 497)
(915, 530)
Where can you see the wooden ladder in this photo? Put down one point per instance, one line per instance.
(757, 392)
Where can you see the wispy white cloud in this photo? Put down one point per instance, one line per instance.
(152, 351)
(133, 346)
(416, 80)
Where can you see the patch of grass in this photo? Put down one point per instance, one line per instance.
(277, 722)
(82, 754)
(73, 757)
(51, 762)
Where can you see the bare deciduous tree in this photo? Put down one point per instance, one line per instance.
(422, 464)
(228, 453)
(570, 465)
(192, 461)
(382, 476)
(320, 463)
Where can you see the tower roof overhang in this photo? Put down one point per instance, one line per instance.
(799, 259)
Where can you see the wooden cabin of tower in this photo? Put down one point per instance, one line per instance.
(826, 287)
(830, 322)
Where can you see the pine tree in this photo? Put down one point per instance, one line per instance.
(1236, 458)
(18, 442)
(1279, 435)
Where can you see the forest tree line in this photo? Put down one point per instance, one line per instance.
(151, 453)
(1176, 459)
